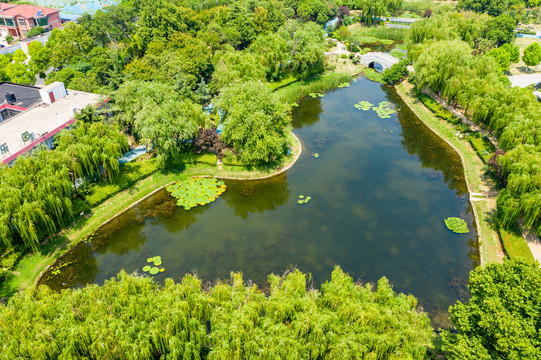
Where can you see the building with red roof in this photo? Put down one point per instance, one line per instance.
(17, 20)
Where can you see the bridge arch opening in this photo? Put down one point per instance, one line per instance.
(376, 66)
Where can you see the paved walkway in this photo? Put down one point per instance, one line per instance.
(525, 80)
(341, 50)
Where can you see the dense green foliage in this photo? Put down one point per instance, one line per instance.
(35, 194)
(474, 82)
(134, 318)
(255, 122)
(491, 7)
(502, 320)
(396, 72)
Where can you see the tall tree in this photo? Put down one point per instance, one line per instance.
(254, 122)
(532, 55)
(502, 320)
(491, 7)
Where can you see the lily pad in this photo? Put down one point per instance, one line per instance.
(456, 225)
(154, 271)
(363, 105)
(383, 110)
(157, 262)
(146, 268)
(316, 155)
(196, 191)
(162, 269)
(303, 199)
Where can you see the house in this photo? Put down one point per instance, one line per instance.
(17, 20)
(31, 116)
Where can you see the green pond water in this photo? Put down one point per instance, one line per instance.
(380, 190)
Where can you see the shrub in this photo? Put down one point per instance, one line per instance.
(396, 72)
(437, 109)
(484, 148)
(399, 54)
(36, 30)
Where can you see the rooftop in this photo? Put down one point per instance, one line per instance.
(26, 95)
(27, 11)
(4, 6)
(43, 121)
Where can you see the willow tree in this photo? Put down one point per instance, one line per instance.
(34, 199)
(92, 149)
(372, 9)
(133, 317)
(169, 125)
(254, 121)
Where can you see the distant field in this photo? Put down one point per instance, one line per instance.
(77, 7)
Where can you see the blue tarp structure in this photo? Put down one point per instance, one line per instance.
(76, 7)
(331, 25)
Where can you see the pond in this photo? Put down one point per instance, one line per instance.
(380, 189)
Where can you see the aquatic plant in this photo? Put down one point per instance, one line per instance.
(196, 191)
(303, 199)
(316, 155)
(456, 225)
(56, 270)
(363, 39)
(383, 110)
(153, 270)
(344, 85)
(155, 260)
(363, 105)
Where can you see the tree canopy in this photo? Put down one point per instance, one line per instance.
(133, 317)
(502, 320)
(254, 121)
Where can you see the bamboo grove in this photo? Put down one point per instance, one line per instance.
(132, 317)
(36, 192)
(473, 81)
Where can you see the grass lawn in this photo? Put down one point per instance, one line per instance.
(31, 265)
(489, 242)
(515, 246)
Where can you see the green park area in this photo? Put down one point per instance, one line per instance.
(294, 199)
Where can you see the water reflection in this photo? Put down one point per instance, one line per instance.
(78, 268)
(309, 115)
(246, 197)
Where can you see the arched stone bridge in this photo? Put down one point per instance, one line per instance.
(372, 58)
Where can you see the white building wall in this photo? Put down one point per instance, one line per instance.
(57, 89)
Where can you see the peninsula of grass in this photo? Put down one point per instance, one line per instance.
(140, 180)
(297, 90)
(479, 187)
